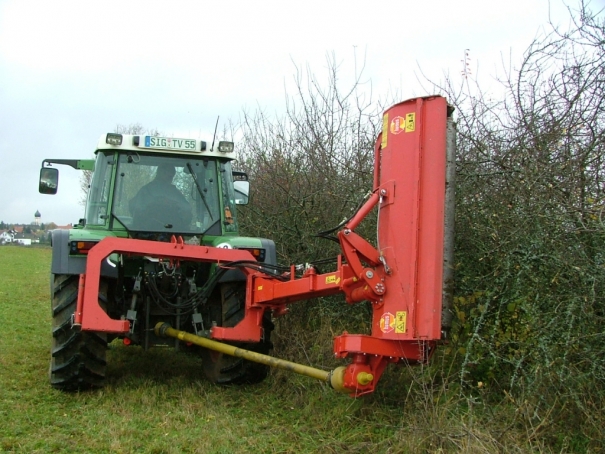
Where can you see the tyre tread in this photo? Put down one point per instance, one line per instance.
(78, 358)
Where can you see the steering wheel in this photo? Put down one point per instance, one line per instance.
(160, 214)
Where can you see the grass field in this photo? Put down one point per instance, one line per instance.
(158, 401)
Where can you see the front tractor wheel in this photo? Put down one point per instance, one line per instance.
(226, 369)
(77, 357)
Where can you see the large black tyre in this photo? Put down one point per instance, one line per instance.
(225, 369)
(77, 357)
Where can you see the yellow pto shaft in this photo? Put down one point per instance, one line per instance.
(334, 377)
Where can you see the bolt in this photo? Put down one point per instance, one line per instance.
(364, 378)
(383, 192)
(369, 274)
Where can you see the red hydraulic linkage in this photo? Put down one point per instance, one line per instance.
(401, 277)
(90, 316)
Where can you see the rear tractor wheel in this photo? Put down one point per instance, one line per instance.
(77, 357)
(225, 369)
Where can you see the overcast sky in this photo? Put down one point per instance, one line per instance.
(70, 71)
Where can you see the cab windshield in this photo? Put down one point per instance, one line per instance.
(167, 194)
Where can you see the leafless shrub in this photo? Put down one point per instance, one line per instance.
(529, 245)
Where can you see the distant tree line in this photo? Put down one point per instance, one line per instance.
(28, 228)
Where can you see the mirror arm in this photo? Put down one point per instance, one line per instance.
(78, 164)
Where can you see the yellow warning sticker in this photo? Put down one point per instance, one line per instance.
(259, 288)
(401, 321)
(385, 130)
(332, 279)
(410, 122)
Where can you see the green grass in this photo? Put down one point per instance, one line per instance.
(158, 401)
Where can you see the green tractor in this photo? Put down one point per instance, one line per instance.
(156, 189)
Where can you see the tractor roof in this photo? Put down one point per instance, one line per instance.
(146, 143)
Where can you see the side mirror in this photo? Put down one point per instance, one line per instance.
(242, 190)
(49, 180)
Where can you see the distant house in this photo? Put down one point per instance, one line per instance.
(25, 239)
(29, 234)
(6, 236)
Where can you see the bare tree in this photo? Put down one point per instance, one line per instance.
(530, 232)
(310, 168)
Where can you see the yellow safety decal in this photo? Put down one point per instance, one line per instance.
(387, 322)
(410, 122)
(332, 279)
(385, 130)
(401, 321)
(259, 288)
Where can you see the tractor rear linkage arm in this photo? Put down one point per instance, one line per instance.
(402, 277)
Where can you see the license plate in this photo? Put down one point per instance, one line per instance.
(169, 143)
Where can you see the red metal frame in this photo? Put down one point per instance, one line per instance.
(402, 277)
(90, 316)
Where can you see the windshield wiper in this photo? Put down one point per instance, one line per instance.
(199, 189)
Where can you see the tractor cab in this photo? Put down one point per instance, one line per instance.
(159, 186)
